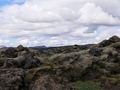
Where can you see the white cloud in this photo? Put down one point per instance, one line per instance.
(35, 13)
(92, 14)
(108, 32)
(4, 41)
(80, 32)
(57, 22)
(68, 14)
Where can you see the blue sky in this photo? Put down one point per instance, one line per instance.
(9, 2)
(5, 2)
(57, 22)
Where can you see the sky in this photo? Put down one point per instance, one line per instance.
(58, 22)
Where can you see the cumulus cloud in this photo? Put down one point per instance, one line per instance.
(92, 14)
(68, 14)
(81, 32)
(37, 22)
(108, 32)
(35, 13)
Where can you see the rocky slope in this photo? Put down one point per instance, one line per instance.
(22, 68)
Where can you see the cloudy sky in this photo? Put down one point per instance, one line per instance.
(58, 22)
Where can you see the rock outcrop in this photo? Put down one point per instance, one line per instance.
(23, 59)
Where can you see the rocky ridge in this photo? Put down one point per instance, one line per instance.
(54, 69)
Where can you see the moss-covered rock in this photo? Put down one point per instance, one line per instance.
(110, 41)
(95, 51)
(115, 45)
(31, 73)
(21, 48)
(2, 61)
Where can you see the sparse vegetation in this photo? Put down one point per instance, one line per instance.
(87, 85)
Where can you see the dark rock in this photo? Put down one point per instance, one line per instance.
(11, 79)
(89, 76)
(95, 51)
(21, 48)
(114, 39)
(47, 83)
(25, 60)
(2, 61)
(116, 87)
(111, 40)
(9, 63)
(10, 52)
(116, 46)
(13, 52)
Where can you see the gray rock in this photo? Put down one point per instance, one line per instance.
(47, 83)
(95, 51)
(11, 79)
(26, 60)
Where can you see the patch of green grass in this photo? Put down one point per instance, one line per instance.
(87, 85)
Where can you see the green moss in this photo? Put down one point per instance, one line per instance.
(73, 74)
(59, 79)
(101, 63)
(2, 60)
(41, 68)
(103, 43)
(45, 61)
(56, 66)
(95, 66)
(115, 76)
(103, 79)
(108, 50)
(115, 45)
(87, 85)
(57, 58)
(112, 81)
(29, 77)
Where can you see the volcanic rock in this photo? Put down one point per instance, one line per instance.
(47, 83)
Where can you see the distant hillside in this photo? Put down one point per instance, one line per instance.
(41, 48)
(2, 46)
(47, 48)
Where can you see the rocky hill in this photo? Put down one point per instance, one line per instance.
(22, 68)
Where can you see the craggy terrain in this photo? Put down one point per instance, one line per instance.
(22, 68)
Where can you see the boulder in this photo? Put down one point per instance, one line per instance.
(47, 83)
(21, 48)
(26, 61)
(111, 40)
(95, 51)
(11, 79)
(10, 52)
